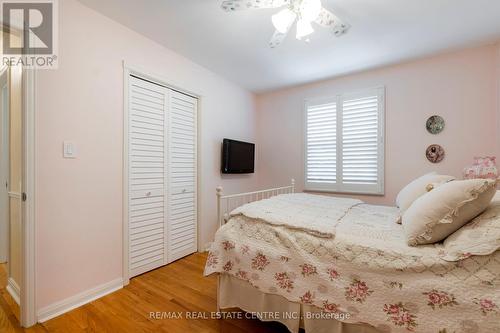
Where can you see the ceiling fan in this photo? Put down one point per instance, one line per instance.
(304, 12)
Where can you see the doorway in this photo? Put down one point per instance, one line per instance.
(4, 168)
(11, 174)
(17, 179)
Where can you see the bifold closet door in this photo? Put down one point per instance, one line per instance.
(182, 233)
(147, 175)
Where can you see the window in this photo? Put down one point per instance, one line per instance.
(345, 143)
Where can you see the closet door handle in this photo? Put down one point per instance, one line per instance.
(148, 194)
(184, 190)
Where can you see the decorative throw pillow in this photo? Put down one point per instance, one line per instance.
(437, 214)
(480, 237)
(483, 167)
(419, 187)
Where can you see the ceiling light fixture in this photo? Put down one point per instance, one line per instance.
(304, 12)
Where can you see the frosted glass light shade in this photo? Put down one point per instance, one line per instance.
(304, 29)
(283, 20)
(310, 10)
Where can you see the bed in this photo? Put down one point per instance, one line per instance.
(340, 265)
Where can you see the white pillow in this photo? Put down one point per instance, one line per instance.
(479, 237)
(439, 213)
(418, 187)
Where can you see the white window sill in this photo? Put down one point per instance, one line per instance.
(316, 190)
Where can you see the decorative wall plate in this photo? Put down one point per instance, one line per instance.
(435, 124)
(435, 153)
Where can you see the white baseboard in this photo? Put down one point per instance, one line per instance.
(58, 308)
(14, 291)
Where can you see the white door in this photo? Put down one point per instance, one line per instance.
(4, 169)
(182, 233)
(147, 175)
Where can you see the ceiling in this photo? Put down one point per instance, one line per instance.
(235, 45)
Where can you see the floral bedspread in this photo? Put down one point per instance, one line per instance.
(367, 270)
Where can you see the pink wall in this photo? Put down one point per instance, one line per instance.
(458, 86)
(79, 202)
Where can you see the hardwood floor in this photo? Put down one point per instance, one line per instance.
(179, 287)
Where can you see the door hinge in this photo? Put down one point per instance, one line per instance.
(24, 197)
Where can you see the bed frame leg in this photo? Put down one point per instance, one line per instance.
(218, 294)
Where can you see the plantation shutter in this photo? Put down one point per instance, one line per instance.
(345, 145)
(322, 143)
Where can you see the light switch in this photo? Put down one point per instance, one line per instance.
(69, 149)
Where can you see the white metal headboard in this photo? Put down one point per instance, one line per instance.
(226, 203)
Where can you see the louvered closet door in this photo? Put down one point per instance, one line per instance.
(182, 239)
(148, 104)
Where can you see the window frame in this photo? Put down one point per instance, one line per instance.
(339, 187)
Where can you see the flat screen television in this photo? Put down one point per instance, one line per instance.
(237, 157)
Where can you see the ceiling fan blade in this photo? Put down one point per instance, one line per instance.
(329, 20)
(277, 39)
(233, 5)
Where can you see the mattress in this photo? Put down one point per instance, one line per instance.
(366, 271)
